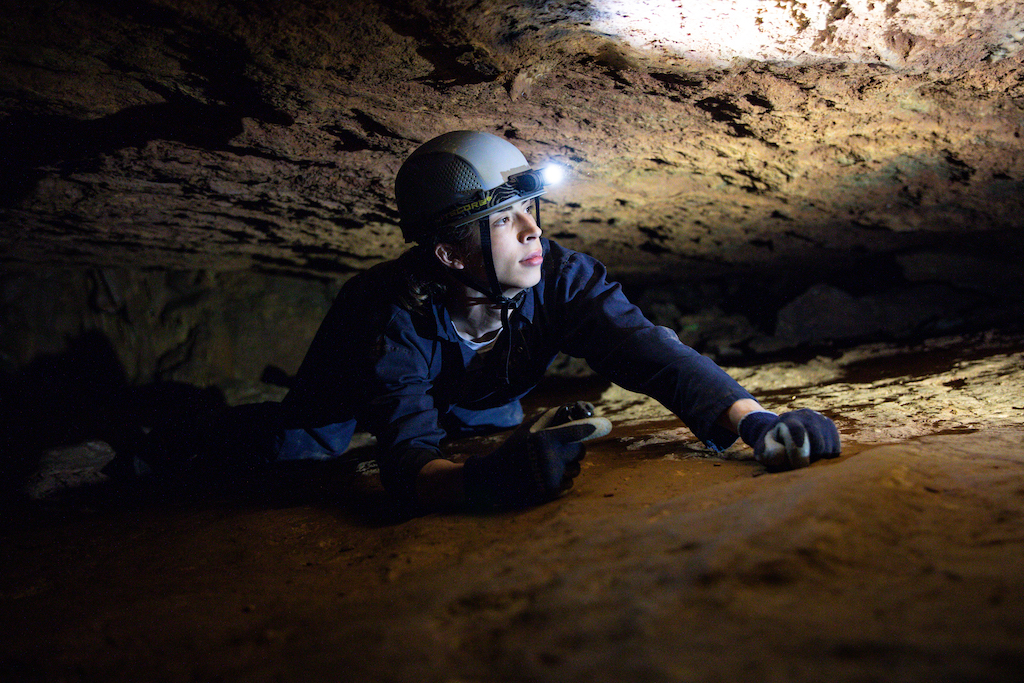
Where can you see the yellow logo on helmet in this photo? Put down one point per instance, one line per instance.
(467, 208)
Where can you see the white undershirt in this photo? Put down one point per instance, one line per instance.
(480, 347)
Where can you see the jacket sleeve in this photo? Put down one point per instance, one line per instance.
(401, 412)
(600, 325)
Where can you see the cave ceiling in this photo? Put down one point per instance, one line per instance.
(697, 135)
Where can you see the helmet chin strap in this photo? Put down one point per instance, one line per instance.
(495, 293)
(492, 290)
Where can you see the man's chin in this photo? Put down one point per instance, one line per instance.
(511, 290)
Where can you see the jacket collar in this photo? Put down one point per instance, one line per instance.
(445, 329)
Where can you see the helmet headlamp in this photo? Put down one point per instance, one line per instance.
(530, 181)
(553, 174)
(526, 182)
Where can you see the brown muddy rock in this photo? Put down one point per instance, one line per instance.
(824, 169)
(900, 559)
(233, 135)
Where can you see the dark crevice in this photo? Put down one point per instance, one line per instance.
(348, 141)
(677, 81)
(654, 248)
(728, 113)
(758, 101)
(959, 172)
(455, 62)
(375, 127)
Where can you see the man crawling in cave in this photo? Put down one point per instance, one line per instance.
(444, 341)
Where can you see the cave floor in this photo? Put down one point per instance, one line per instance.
(902, 560)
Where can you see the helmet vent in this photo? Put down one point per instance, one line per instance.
(459, 178)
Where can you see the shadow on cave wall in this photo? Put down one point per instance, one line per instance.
(938, 285)
(33, 143)
(61, 400)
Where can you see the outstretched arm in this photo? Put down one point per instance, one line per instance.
(730, 419)
(597, 322)
(782, 442)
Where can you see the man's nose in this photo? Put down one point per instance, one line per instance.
(529, 227)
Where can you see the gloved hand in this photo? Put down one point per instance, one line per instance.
(537, 462)
(791, 440)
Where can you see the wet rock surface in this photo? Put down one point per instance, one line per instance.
(902, 558)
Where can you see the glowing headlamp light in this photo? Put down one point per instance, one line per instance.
(552, 174)
(531, 181)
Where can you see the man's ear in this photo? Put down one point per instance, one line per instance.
(449, 256)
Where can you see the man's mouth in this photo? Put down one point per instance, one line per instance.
(534, 259)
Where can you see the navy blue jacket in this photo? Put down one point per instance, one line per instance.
(406, 376)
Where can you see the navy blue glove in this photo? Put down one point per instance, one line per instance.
(537, 462)
(791, 440)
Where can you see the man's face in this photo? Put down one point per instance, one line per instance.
(516, 247)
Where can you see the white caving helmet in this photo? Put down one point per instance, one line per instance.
(460, 177)
(452, 180)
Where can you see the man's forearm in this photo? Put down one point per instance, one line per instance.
(730, 419)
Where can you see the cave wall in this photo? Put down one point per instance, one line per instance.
(191, 179)
(196, 327)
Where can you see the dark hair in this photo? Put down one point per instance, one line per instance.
(425, 276)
